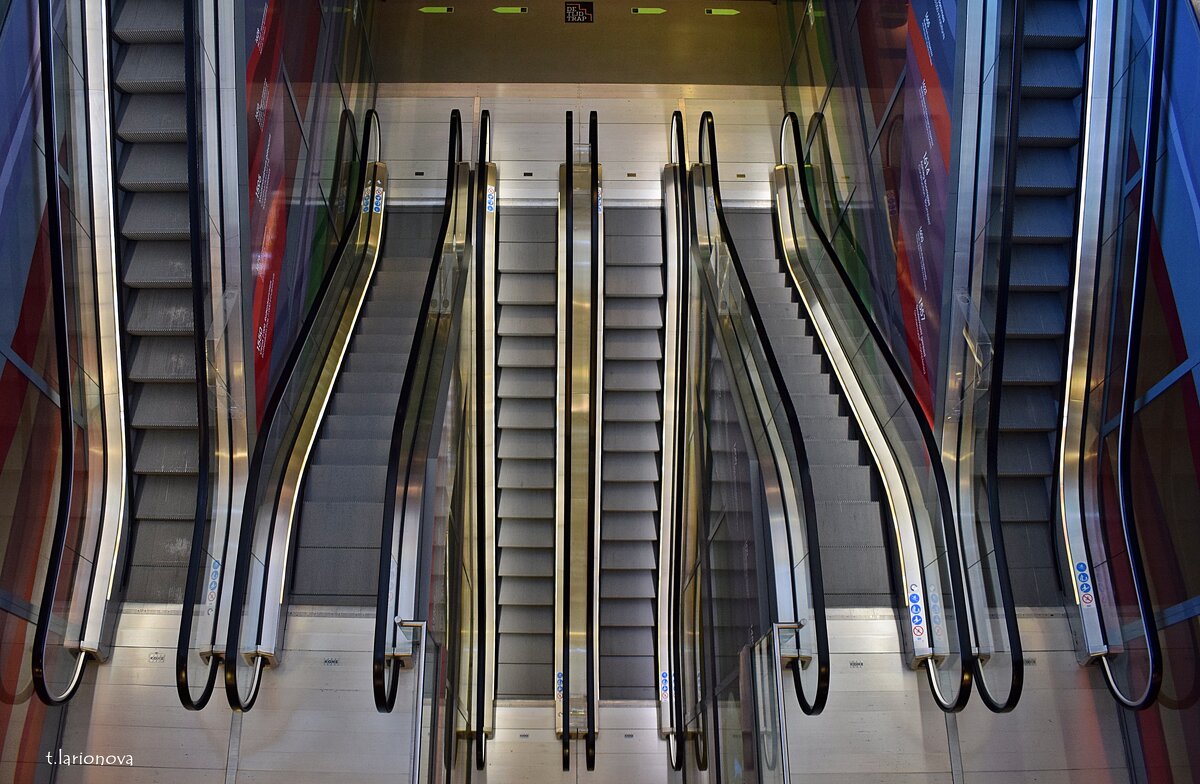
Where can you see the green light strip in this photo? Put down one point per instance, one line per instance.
(722, 11)
(436, 9)
(510, 9)
(647, 11)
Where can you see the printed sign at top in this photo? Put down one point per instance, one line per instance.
(579, 13)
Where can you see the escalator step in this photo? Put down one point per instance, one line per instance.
(526, 444)
(1034, 314)
(527, 289)
(1039, 268)
(527, 383)
(161, 497)
(525, 504)
(340, 524)
(631, 406)
(356, 382)
(351, 451)
(155, 216)
(634, 282)
(625, 250)
(153, 118)
(1024, 498)
(517, 532)
(395, 326)
(632, 376)
(1046, 171)
(1043, 219)
(1032, 362)
(1025, 408)
(630, 467)
(171, 406)
(344, 483)
(526, 352)
(631, 436)
(526, 648)
(529, 591)
(627, 584)
(1048, 122)
(1024, 454)
(170, 360)
(364, 404)
(158, 265)
(528, 320)
(151, 168)
(148, 21)
(626, 313)
(629, 526)
(526, 475)
(150, 68)
(1051, 73)
(1054, 24)
(526, 619)
(525, 562)
(166, 452)
(323, 573)
(526, 414)
(160, 312)
(356, 426)
(624, 556)
(627, 344)
(616, 611)
(629, 497)
(527, 257)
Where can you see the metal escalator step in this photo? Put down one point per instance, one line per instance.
(814, 396)
(631, 407)
(369, 361)
(529, 320)
(631, 436)
(1048, 219)
(1024, 454)
(519, 532)
(323, 573)
(1024, 499)
(527, 681)
(632, 375)
(356, 425)
(622, 640)
(153, 118)
(528, 225)
(624, 250)
(379, 343)
(1039, 268)
(525, 648)
(161, 543)
(340, 524)
(629, 526)
(629, 497)
(1048, 122)
(1054, 24)
(627, 344)
(630, 467)
(166, 359)
(526, 383)
(627, 678)
(165, 406)
(624, 556)
(528, 591)
(388, 305)
(1051, 73)
(525, 504)
(164, 497)
(1035, 361)
(526, 352)
(633, 282)
(822, 428)
(1025, 408)
(527, 289)
(526, 444)
(344, 483)
(849, 523)
(526, 474)
(352, 451)
(150, 68)
(171, 452)
(526, 414)
(155, 216)
(795, 365)
(637, 584)
(632, 221)
(845, 483)
(615, 611)
(395, 326)
(154, 168)
(835, 452)
(525, 619)
(360, 382)
(527, 257)
(158, 265)
(148, 21)
(364, 403)
(160, 312)
(626, 313)
(1034, 314)
(1046, 171)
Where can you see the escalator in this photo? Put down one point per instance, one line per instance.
(526, 383)
(150, 155)
(845, 487)
(631, 458)
(1044, 234)
(342, 503)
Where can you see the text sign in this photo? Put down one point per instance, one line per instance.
(579, 13)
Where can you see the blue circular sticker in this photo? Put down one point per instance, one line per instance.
(1085, 587)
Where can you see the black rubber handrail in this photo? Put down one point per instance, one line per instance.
(58, 294)
(1137, 307)
(677, 145)
(385, 688)
(483, 602)
(200, 519)
(593, 428)
(568, 205)
(270, 414)
(962, 623)
(999, 341)
(813, 706)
